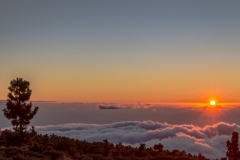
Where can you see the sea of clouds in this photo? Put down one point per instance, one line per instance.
(209, 140)
(193, 129)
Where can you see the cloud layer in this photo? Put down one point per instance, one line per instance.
(127, 106)
(209, 140)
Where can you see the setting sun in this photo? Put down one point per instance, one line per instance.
(212, 103)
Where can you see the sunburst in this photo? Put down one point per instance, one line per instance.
(212, 103)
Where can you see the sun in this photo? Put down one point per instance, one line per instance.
(212, 103)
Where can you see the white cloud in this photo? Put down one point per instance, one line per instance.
(209, 140)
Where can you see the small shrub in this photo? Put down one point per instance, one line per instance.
(13, 151)
(96, 156)
(84, 157)
(54, 154)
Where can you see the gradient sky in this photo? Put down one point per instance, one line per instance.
(122, 51)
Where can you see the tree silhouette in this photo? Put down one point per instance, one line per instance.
(141, 151)
(17, 110)
(158, 147)
(233, 151)
(106, 147)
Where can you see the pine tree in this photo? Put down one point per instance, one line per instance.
(233, 151)
(158, 147)
(106, 147)
(18, 110)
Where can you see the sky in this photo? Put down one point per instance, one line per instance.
(122, 51)
(130, 71)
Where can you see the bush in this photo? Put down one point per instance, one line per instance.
(13, 151)
(54, 154)
(98, 157)
(81, 157)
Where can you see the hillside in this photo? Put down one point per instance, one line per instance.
(37, 146)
